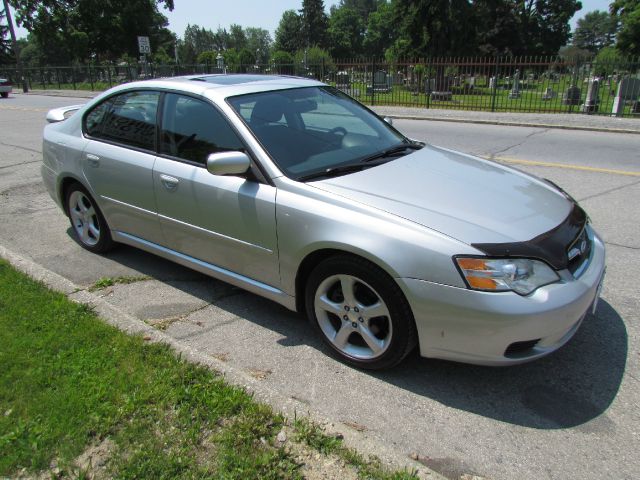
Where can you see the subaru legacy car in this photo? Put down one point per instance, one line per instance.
(294, 191)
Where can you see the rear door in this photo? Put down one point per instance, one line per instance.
(228, 221)
(118, 161)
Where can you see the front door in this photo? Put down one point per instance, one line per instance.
(228, 221)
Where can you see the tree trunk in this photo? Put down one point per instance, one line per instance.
(14, 44)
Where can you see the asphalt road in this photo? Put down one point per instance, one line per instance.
(574, 414)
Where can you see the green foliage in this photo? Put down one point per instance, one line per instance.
(68, 30)
(595, 31)
(380, 31)
(289, 32)
(315, 56)
(346, 32)
(314, 24)
(608, 61)
(281, 58)
(627, 12)
(209, 57)
(259, 42)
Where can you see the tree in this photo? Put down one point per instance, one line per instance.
(314, 23)
(237, 38)
(14, 44)
(432, 27)
(259, 42)
(6, 51)
(289, 32)
(363, 8)
(497, 28)
(346, 32)
(544, 25)
(93, 29)
(380, 32)
(608, 61)
(627, 12)
(595, 31)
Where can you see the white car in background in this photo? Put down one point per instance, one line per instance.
(6, 87)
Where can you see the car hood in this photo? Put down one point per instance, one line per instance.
(467, 198)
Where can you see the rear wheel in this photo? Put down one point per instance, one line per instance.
(361, 312)
(89, 227)
(4, 94)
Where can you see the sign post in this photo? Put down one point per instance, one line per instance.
(145, 48)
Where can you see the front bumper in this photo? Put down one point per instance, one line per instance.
(478, 327)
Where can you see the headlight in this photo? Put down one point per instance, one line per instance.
(521, 275)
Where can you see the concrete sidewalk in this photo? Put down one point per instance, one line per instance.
(572, 121)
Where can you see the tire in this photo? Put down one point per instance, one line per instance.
(88, 225)
(4, 94)
(360, 312)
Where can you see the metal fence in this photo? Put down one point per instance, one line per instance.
(509, 84)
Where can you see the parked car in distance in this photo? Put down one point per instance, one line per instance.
(295, 191)
(6, 87)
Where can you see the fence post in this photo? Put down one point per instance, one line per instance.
(58, 78)
(427, 88)
(109, 75)
(44, 85)
(90, 76)
(73, 77)
(495, 85)
(373, 90)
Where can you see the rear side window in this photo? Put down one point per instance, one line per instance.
(193, 129)
(93, 120)
(129, 119)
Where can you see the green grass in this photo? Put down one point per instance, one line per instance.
(69, 381)
(105, 282)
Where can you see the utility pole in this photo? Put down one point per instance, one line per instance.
(14, 45)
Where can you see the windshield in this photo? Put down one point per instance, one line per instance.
(314, 129)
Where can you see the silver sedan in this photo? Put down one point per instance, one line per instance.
(294, 191)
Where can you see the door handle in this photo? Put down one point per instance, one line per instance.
(93, 160)
(170, 183)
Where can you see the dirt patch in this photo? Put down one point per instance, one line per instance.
(92, 463)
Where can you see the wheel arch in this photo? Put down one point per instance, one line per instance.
(63, 186)
(312, 259)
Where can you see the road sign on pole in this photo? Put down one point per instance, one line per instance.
(143, 45)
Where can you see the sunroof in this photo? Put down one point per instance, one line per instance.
(233, 79)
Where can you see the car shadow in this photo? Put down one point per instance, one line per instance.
(572, 387)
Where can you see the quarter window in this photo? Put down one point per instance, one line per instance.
(193, 129)
(129, 119)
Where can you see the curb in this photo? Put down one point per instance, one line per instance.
(263, 393)
(513, 124)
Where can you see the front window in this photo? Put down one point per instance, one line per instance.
(316, 130)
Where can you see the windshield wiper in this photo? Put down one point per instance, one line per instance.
(334, 171)
(389, 152)
(362, 164)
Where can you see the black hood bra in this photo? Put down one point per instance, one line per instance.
(551, 246)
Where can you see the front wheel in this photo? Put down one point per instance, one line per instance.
(361, 312)
(90, 229)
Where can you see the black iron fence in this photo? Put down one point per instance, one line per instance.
(509, 84)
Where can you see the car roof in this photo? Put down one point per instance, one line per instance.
(225, 85)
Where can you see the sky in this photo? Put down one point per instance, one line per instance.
(265, 14)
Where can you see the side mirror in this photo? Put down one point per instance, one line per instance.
(228, 163)
(389, 120)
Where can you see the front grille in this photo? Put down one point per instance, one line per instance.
(578, 253)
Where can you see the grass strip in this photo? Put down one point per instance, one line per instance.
(71, 385)
(69, 381)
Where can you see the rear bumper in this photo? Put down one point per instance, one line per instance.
(478, 327)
